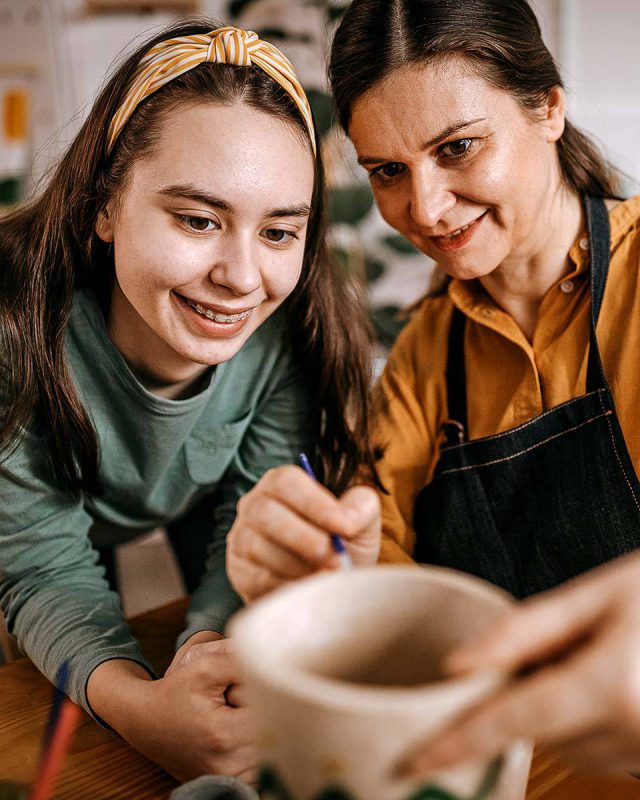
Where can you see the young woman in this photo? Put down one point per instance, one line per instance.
(170, 330)
(507, 417)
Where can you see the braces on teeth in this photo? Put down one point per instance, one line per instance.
(218, 317)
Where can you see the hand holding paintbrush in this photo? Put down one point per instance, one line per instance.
(338, 544)
(289, 526)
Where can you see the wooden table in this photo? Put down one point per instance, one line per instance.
(101, 766)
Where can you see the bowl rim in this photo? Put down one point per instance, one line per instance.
(320, 691)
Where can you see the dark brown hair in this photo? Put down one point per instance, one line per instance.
(500, 38)
(49, 247)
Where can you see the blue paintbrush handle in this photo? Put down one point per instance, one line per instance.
(336, 540)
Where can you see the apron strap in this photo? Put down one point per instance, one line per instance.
(600, 252)
(456, 427)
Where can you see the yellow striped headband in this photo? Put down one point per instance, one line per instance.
(229, 45)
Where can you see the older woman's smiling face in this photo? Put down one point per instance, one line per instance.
(457, 166)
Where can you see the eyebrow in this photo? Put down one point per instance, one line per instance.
(445, 134)
(189, 192)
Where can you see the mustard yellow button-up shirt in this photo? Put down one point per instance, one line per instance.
(509, 379)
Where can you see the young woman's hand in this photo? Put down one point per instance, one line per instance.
(283, 526)
(580, 647)
(185, 722)
(201, 643)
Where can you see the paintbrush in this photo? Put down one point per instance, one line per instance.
(336, 540)
(62, 722)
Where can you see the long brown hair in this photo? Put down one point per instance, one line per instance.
(501, 39)
(49, 248)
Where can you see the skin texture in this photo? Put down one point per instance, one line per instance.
(244, 252)
(503, 161)
(578, 654)
(241, 257)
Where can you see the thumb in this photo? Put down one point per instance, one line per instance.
(362, 508)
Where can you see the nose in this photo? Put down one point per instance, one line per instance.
(236, 265)
(431, 198)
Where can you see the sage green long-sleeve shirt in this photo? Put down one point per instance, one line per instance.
(158, 457)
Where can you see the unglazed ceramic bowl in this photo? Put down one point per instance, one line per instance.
(343, 674)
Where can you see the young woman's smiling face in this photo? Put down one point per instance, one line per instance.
(208, 236)
(457, 166)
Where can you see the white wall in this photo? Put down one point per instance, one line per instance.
(597, 46)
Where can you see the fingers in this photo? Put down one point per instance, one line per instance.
(291, 486)
(249, 580)
(283, 526)
(215, 666)
(535, 631)
(363, 543)
(265, 517)
(553, 705)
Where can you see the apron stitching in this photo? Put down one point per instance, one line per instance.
(622, 469)
(527, 449)
(524, 425)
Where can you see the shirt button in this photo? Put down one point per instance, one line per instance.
(487, 312)
(584, 243)
(566, 286)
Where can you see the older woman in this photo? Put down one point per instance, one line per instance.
(507, 420)
(509, 428)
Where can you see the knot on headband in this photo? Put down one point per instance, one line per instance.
(233, 46)
(229, 45)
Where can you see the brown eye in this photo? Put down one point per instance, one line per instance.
(390, 170)
(196, 224)
(456, 149)
(199, 224)
(279, 236)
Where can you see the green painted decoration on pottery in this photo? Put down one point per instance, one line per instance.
(270, 785)
(432, 793)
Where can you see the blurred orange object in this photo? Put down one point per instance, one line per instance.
(15, 115)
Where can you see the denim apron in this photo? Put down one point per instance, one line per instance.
(538, 504)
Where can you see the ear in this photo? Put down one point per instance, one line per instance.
(104, 225)
(553, 114)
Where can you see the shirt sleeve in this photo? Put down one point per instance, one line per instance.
(53, 595)
(281, 428)
(403, 438)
